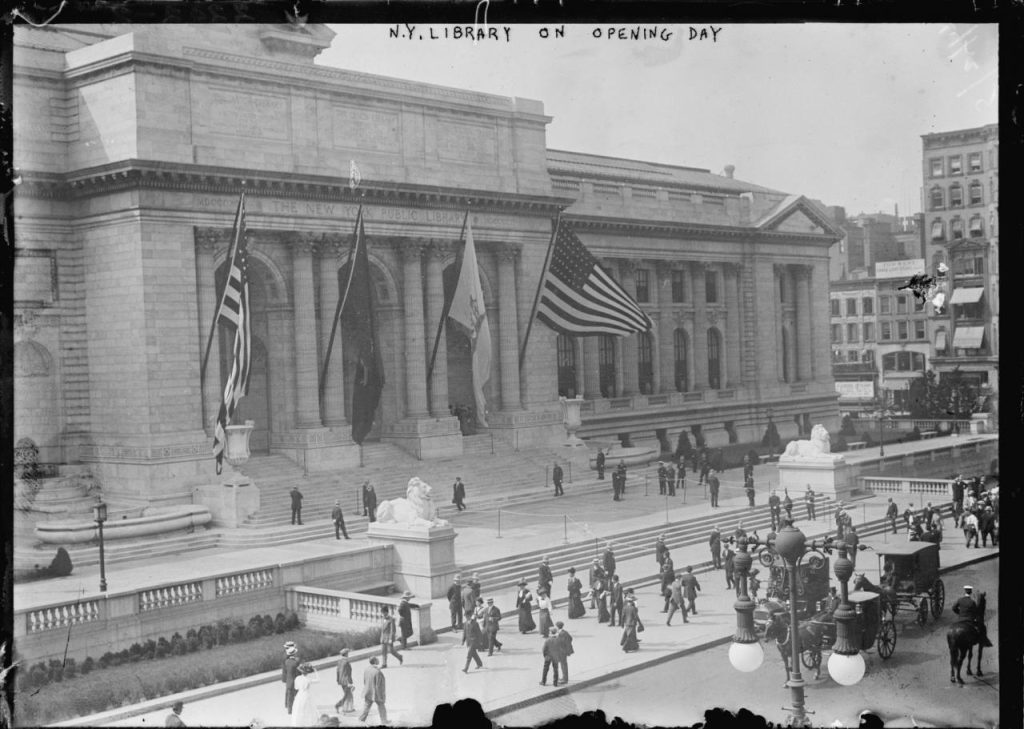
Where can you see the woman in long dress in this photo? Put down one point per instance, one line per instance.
(603, 616)
(304, 707)
(524, 604)
(544, 614)
(576, 609)
(630, 625)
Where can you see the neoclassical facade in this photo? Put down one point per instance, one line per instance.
(135, 143)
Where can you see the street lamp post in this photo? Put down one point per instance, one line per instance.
(99, 515)
(846, 665)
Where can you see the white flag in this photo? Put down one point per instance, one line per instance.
(354, 177)
(467, 311)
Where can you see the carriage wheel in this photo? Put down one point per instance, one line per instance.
(766, 558)
(922, 611)
(938, 595)
(811, 658)
(886, 639)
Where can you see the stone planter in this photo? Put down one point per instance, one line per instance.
(236, 450)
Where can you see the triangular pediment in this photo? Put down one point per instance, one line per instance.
(798, 222)
(797, 214)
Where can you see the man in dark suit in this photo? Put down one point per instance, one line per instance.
(730, 567)
(621, 468)
(615, 603)
(289, 670)
(787, 505)
(615, 485)
(748, 467)
(369, 501)
(565, 649)
(659, 550)
(474, 585)
(455, 602)
(713, 486)
(544, 576)
(552, 652)
(681, 475)
(459, 493)
(556, 477)
(600, 463)
(705, 465)
(748, 488)
(670, 479)
(715, 544)
(492, 617)
(987, 526)
(339, 521)
(809, 500)
(662, 488)
(675, 600)
(690, 588)
(471, 638)
(968, 611)
(775, 509)
(609, 561)
(668, 575)
(296, 497)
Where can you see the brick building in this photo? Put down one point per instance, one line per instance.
(134, 142)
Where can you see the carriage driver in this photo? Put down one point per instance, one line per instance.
(967, 608)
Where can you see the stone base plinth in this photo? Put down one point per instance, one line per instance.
(826, 476)
(425, 437)
(424, 557)
(230, 502)
(318, 449)
(527, 428)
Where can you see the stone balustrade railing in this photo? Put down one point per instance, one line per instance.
(939, 425)
(324, 609)
(895, 485)
(170, 596)
(245, 582)
(63, 616)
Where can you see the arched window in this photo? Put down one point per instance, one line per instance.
(785, 359)
(566, 347)
(681, 380)
(606, 364)
(714, 359)
(645, 363)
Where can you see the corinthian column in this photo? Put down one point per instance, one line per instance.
(436, 255)
(802, 276)
(331, 248)
(591, 369)
(630, 343)
(700, 326)
(207, 240)
(307, 406)
(732, 325)
(508, 328)
(415, 356)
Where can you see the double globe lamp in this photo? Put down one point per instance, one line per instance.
(845, 665)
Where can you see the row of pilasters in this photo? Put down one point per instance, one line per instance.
(422, 291)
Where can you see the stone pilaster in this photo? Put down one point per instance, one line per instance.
(733, 350)
(436, 254)
(333, 405)
(207, 242)
(629, 345)
(307, 406)
(699, 340)
(748, 323)
(768, 325)
(415, 354)
(665, 354)
(591, 369)
(508, 329)
(802, 281)
(821, 363)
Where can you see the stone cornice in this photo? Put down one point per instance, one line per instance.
(674, 229)
(136, 174)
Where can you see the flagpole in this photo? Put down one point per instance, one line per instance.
(447, 305)
(341, 304)
(540, 284)
(224, 291)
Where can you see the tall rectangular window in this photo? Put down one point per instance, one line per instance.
(566, 352)
(955, 166)
(884, 304)
(851, 307)
(886, 331)
(936, 167)
(869, 332)
(606, 365)
(678, 286)
(868, 304)
(974, 192)
(711, 286)
(837, 333)
(714, 359)
(974, 162)
(852, 333)
(643, 285)
(835, 307)
(901, 304)
(645, 363)
(956, 196)
(919, 329)
(902, 330)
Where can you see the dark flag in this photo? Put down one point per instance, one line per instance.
(578, 297)
(357, 313)
(234, 311)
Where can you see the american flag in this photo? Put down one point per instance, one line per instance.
(579, 297)
(234, 310)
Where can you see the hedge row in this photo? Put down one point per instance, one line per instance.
(223, 632)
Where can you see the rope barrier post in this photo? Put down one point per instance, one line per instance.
(499, 523)
(565, 529)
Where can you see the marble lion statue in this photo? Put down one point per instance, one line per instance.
(819, 444)
(416, 509)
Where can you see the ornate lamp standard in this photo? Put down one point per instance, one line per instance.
(99, 515)
(746, 654)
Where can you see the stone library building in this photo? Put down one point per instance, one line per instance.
(135, 144)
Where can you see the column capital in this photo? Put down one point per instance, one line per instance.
(411, 249)
(507, 252)
(438, 249)
(627, 265)
(332, 244)
(303, 243)
(698, 266)
(209, 239)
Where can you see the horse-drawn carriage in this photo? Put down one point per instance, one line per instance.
(910, 580)
(811, 587)
(874, 626)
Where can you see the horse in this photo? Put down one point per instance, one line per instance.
(961, 638)
(887, 594)
(809, 635)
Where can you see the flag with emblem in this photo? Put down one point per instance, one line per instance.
(467, 311)
(578, 297)
(234, 311)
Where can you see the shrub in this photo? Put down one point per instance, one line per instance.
(149, 649)
(106, 660)
(237, 634)
(135, 652)
(256, 626)
(268, 625)
(840, 445)
(70, 668)
(87, 665)
(291, 620)
(914, 434)
(847, 426)
(55, 670)
(177, 644)
(61, 565)
(223, 632)
(279, 623)
(38, 675)
(207, 636)
(163, 647)
(683, 446)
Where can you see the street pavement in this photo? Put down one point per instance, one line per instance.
(509, 681)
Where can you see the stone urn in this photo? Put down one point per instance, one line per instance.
(236, 450)
(572, 421)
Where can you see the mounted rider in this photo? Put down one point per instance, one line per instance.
(970, 613)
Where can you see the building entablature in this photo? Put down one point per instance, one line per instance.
(976, 135)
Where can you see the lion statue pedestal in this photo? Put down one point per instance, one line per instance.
(812, 463)
(424, 546)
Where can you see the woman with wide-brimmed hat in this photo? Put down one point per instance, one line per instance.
(304, 711)
(576, 609)
(405, 619)
(544, 620)
(524, 604)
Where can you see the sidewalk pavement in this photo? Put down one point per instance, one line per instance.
(432, 674)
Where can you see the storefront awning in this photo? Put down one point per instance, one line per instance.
(968, 337)
(970, 295)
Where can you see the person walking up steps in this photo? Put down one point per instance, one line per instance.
(296, 497)
(459, 493)
(339, 521)
(809, 500)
